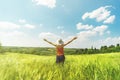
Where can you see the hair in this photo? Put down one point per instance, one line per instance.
(60, 42)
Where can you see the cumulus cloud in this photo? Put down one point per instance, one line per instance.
(29, 26)
(11, 34)
(5, 25)
(89, 34)
(18, 38)
(48, 35)
(110, 19)
(107, 41)
(86, 35)
(100, 14)
(8, 25)
(88, 42)
(100, 29)
(80, 26)
(22, 21)
(11, 38)
(48, 3)
(90, 30)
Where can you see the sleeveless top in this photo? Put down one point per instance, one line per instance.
(60, 50)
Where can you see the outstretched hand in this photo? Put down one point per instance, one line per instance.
(74, 38)
(45, 39)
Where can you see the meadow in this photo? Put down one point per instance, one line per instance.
(16, 66)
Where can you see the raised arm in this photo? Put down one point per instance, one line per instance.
(70, 41)
(49, 42)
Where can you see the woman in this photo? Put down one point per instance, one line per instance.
(60, 58)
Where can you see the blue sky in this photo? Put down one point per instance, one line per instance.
(27, 22)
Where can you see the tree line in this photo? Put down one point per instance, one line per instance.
(103, 49)
(52, 51)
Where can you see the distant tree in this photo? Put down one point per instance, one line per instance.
(118, 45)
(103, 49)
(1, 48)
(86, 51)
(111, 48)
(82, 51)
(96, 50)
(0, 45)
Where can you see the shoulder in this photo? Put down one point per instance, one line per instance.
(58, 46)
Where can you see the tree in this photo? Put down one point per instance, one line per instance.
(118, 45)
(0, 48)
(104, 49)
(112, 48)
(0, 45)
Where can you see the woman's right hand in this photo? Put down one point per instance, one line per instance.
(45, 39)
(75, 38)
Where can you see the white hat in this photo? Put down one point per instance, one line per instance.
(60, 41)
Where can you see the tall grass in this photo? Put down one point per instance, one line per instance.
(15, 66)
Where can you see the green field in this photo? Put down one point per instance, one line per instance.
(16, 66)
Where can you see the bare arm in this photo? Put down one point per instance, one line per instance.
(49, 42)
(70, 41)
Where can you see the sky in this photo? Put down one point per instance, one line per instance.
(27, 22)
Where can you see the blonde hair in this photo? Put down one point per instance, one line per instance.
(60, 42)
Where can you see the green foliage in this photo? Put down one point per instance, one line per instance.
(37, 50)
(1, 49)
(70, 51)
(15, 66)
(103, 49)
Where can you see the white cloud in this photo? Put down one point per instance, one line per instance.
(48, 3)
(10, 34)
(101, 29)
(80, 26)
(90, 35)
(48, 35)
(4, 25)
(100, 14)
(87, 34)
(85, 16)
(8, 25)
(29, 26)
(107, 41)
(22, 21)
(88, 42)
(110, 19)
(90, 30)
(18, 38)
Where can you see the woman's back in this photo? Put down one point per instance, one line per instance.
(60, 50)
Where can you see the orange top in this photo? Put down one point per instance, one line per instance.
(60, 50)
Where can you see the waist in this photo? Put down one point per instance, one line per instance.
(60, 54)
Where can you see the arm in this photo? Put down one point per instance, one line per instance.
(70, 41)
(49, 42)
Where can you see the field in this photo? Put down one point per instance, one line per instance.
(16, 66)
